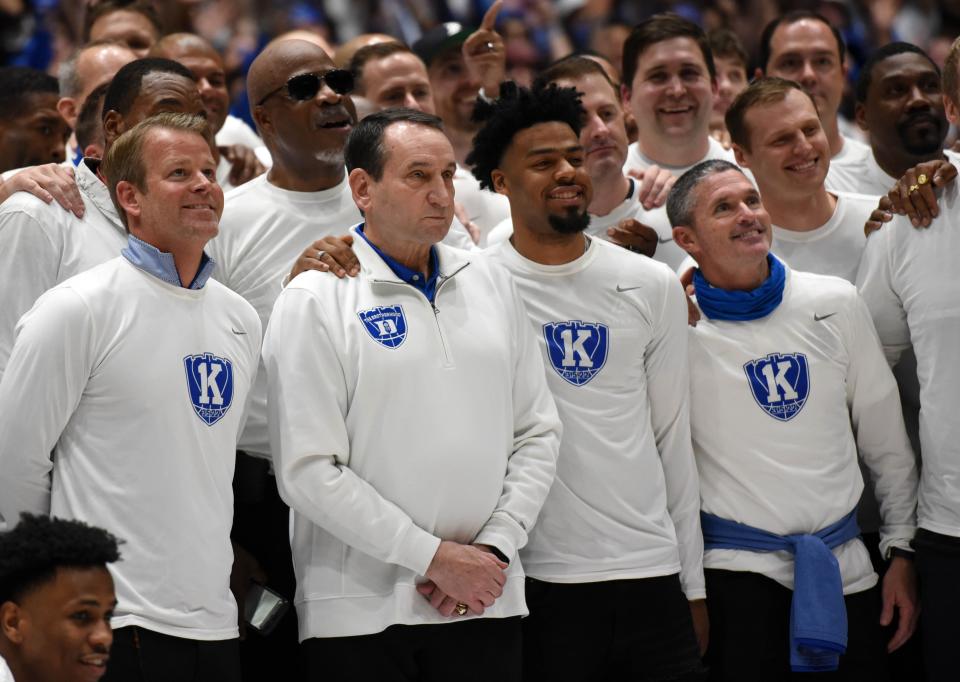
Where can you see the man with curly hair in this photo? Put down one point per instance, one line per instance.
(56, 600)
(620, 527)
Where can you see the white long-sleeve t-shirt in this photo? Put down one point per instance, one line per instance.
(137, 388)
(396, 424)
(42, 244)
(908, 279)
(612, 327)
(780, 407)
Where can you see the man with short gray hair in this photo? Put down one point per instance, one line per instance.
(792, 360)
(143, 447)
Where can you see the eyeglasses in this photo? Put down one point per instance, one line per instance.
(307, 85)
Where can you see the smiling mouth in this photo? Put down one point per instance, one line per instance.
(803, 167)
(337, 124)
(674, 111)
(749, 234)
(567, 193)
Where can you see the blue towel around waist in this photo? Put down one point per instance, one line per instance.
(818, 615)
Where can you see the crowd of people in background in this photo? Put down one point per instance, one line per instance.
(525, 339)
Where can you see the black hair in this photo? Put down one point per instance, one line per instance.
(89, 121)
(125, 86)
(371, 52)
(365, 149)
(681, 202)
(882, 53)
(517, 109)
(17, 85)
(31, 553)
(656, 29)
(791, 18)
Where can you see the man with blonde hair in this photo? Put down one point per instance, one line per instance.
(143, 446)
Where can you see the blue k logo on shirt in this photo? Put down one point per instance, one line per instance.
(780, 383)
(210, 384)
(386, 324)
(577, 350)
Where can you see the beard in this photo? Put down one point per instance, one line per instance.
(570, 223)
(928, 142)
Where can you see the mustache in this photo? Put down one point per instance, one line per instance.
(922, 117)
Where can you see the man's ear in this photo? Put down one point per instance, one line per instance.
(740, 156)
(262, 118)
(10, 618)
(686, 239)
(860, 116)
(112, 127)
(67, 108)
(360, 185)
(951, 109)
(499, 182)
(128, 196)
(625, 96)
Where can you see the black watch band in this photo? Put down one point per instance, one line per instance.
(900, 552)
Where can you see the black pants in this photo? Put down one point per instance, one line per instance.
(750, 632)
(261, 525)
(636, 630)
(938, 569)
(477, 650)
(140, 655)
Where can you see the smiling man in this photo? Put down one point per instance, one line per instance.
(41, 244)
(408, 509)
(79, 406)
(56, 601)
(620, 526)
(31, 130)
(788, 384)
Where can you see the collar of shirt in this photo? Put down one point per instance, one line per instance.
(427, 286)
(95, 189)
(161, 265)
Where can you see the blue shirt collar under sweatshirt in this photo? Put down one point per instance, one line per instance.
(818, 614)
(427, 286)
(161, 265)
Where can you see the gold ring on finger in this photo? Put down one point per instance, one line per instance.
(921, 179)
(461, 609)
(913, 188)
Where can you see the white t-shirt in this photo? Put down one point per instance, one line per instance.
(637, 160)
(835, 247)
(5, 674)
(908, 279)
(484, 207)
(395, 423)
(236, 131)
(779, 408)
(626, 486)
(42, 244)
(137, 387)
(851, 170)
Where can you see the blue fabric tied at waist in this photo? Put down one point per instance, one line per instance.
(818, 614)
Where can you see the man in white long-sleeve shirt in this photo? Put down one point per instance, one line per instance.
(127, 386)
(788, 382)
(620, 527)
(908, 279)
(408, 509)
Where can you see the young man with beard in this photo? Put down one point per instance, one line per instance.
(803, 46)
(788, 384)
(56, 600)
(614, 562)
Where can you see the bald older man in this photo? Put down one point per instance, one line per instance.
(238, 162)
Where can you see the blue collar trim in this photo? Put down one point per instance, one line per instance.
(161, 265)
(427, 286)
(740, 306)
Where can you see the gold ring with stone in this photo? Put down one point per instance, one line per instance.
(912, 189)
(921, 179)
(461, 609)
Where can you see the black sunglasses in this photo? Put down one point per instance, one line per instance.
(307, 85)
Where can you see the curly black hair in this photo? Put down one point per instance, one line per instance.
(517, 109)
(31, 553)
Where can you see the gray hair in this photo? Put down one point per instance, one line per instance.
(681, 202)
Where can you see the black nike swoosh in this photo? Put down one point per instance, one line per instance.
(664, 241)
(237, 331)
(622, 288)
(821, 318)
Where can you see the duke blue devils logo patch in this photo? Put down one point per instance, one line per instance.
(210, 383)
(386, 324)
(577, 350)
(780, 383)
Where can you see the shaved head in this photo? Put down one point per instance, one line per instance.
(346, 51)
(280, 60)
(177, 45)
(308, 36)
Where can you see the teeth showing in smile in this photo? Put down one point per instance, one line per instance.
(803, 166)
(565, 194)
(748, 234)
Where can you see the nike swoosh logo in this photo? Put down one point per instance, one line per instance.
(237, 331)
(664, 241)
(821, 318)
(622, 289)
